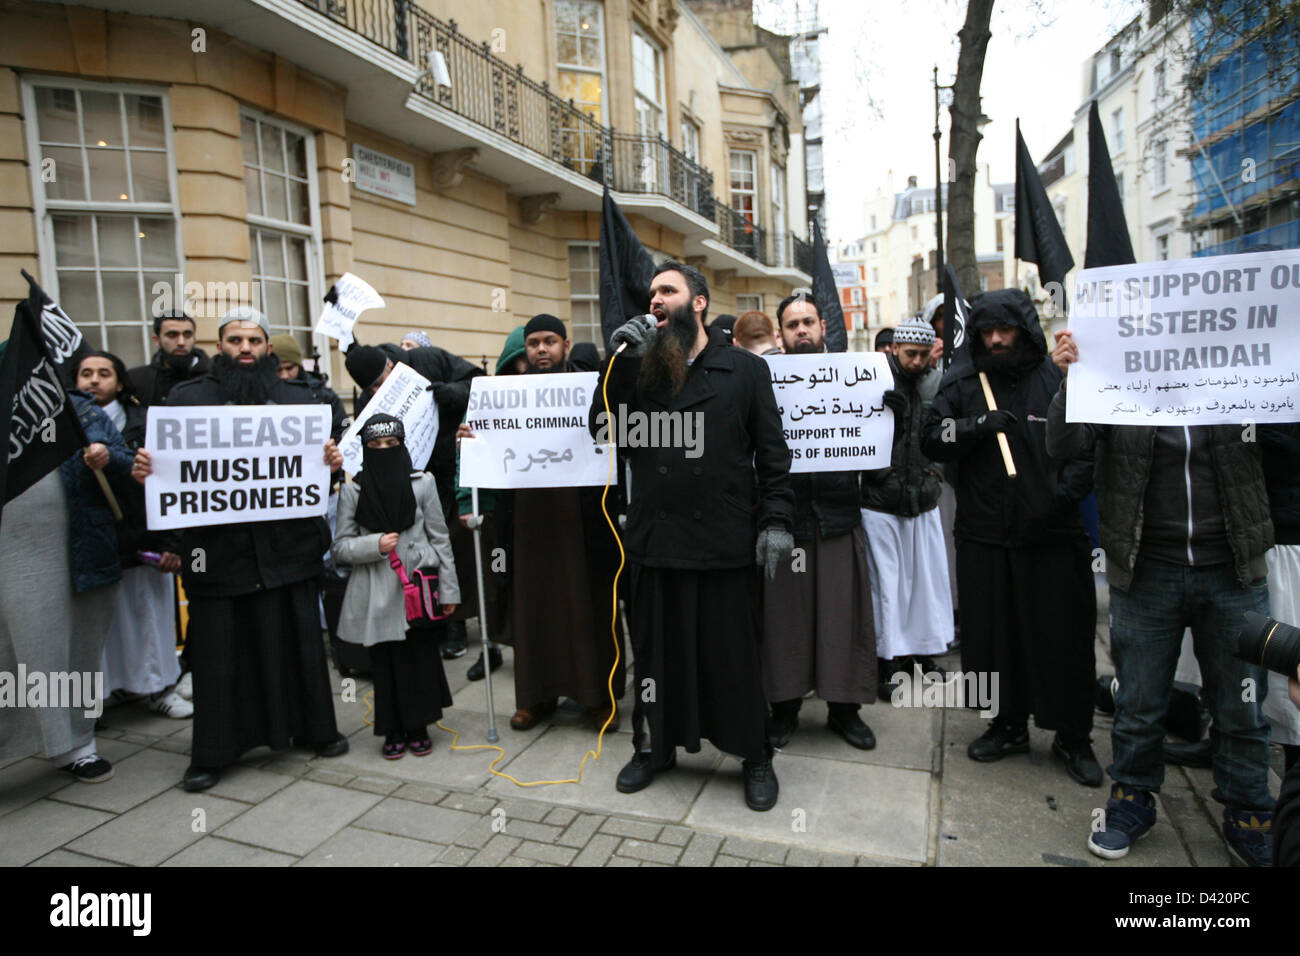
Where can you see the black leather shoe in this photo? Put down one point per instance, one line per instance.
(1189, 755)
(1080, 761)
(200, 778)
(476, 671)
(781, 728)
(998, 741)
(761, 787)
(639, 772)
(332, 748)
(851, 727)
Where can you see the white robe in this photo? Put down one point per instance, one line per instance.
(909, 583)
(140, 652)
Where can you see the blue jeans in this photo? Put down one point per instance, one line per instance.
(1146, 632)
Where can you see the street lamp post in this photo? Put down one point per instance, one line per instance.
(938, 191)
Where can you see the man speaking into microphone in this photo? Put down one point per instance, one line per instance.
(697, 523)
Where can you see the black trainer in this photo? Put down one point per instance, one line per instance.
(92, 769)
(476, 671)
(852, 728)
(998, 741)
(1080, 761)
(761, 787)
(200, 778)
(639, 772)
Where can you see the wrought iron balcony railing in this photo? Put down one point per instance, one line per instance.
(498, 97)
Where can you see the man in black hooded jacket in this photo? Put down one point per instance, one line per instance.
(1023, 571)
(177, 359)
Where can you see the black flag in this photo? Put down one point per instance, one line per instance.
(1038, 234)
(1108, 240)
(625, 270)
(826, 296)
(954, 315)
(41, 430)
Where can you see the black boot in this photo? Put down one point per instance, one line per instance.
(783, 722)
(844, 720)
(476, 671)
(761, 786)
(1080, 761)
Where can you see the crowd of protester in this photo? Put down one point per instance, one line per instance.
(1197, 526)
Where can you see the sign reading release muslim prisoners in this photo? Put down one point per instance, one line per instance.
(405, 394)
(530, 431)
(1188, 342)
(833, 411)
(222, 464)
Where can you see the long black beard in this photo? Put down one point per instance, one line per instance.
(1012, 362)
(664, 365)
(245, 385)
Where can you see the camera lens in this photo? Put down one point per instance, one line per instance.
(1270, 644)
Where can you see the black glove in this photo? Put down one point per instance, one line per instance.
(998, 421)
(450, 393)
(895, 401)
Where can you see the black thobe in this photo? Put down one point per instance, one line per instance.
(696, 508)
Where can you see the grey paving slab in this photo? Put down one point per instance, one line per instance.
(136, 718)
(559, 751)
(654, 852)
(701, 850)
(904, 736)
(158, 828)
(597, 851)
(1000, 814)
(214, 851)
(300, 817)
(456, 770)
(890, 818)
(25, 780)
(62, 858)
(45, 825)
(421, 821)
(353, 847)
(114, 750)
(140, 776)
(249, 784)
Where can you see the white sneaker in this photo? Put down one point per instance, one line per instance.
(185, 686)
(172, 704)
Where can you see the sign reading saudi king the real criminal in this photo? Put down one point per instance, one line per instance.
(1188, 342)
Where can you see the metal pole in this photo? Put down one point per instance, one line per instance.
(938, 194)
(476, 523)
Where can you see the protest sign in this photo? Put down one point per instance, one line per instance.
(531, 432)
(832, 410)
(1188, 342)
(224, 464)
(349, 297)
(405, 394)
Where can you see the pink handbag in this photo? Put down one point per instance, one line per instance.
(420, 591)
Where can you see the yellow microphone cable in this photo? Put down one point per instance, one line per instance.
(613, 630)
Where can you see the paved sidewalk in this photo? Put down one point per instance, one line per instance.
(916, 800)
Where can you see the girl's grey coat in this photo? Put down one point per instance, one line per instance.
(373, 608)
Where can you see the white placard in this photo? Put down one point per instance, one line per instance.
(845, 274)
(1188, 342)
(223, 464)
(531, 432)
(405, 394)
(355, 295)
(384, 175)
(832, 411)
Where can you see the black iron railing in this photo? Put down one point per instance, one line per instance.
(746, 237)
(803, 254)
(497, 96)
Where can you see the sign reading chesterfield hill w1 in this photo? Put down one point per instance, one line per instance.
(1188, 342)
(222, 464)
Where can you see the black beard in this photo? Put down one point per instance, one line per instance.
(806, 348)
(534, 370)
(664, 365)
(178, 363)
(246, 385)
(1008, 362)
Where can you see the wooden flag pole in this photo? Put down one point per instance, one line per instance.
(1002, 438)
(108, 492)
